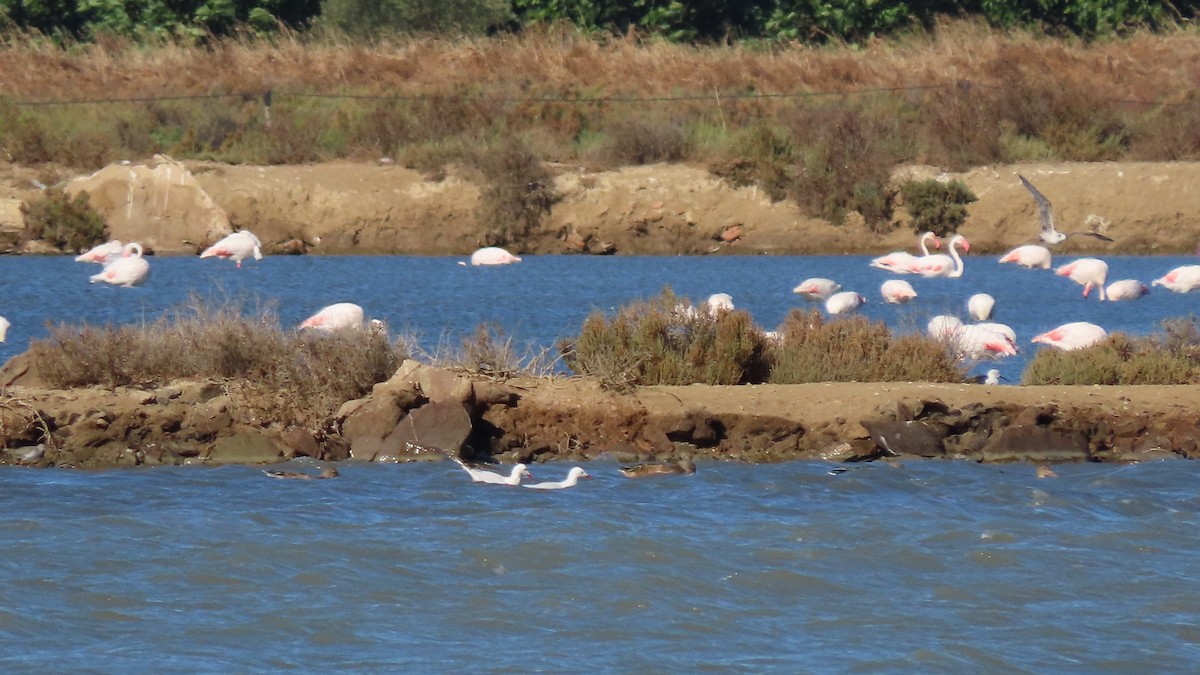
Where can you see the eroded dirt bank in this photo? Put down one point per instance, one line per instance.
(345, 207)
(424, 410)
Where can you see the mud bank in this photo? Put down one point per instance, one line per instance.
(422, 411)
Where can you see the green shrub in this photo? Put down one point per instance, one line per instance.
(937, 206)
(67, 223)
(855, 349)
(666, 341)
(1171, 356)
(518, 191)
(373, 17)
(643, 140)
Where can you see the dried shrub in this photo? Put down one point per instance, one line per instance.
(491, 353)
(1171, 356)
(855, 349)
(763, 156)
(666, 341)
(69, 223)
(302, 377)
(937, 206)
(643, 140)
(518, 192)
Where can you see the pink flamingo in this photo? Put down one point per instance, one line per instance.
(981, 342)
(1180, 279)
(942, 265)
(846, 301)
(1091, 272)
(129, 269)
(902, 262)
(980, 306)
(493, 255)
(237, 247)
(101, 253)
(1071, 336)
(897, 291)
(335, 317)
(943, 327)
(1126, 289)
(817, 289)
(1030, 255)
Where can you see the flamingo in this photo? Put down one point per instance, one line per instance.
(897, 291)
(571, 480)
(129, 269)
(1030, 255)
(1126, 289)
(846, 301)
(902, 262)
(335, 317)
(719, 302)
(1181, 279)
(481, 475)
(980, 342)
(4, 326)
(980, 306)
(101, 253)
(943, 327)
(1091, 272)
(1049, 234)
(237, 247)
(493, 255)
(1001, 328)
(1071, 336)
(817, 289)
(942, 265)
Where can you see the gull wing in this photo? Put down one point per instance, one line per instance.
(1043, 205)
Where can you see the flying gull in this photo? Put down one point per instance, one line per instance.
(1049, 234)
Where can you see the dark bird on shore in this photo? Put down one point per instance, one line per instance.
(1049, 234)
(683, 466)
(327, 472)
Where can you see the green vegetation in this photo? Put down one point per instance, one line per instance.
(1172, 356)
(517, 192)
(306, 375)
(69, 223)
(666, 341)
(937, 206)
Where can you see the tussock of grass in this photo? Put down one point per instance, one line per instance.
(659, 341)
(1171, 356)
(306, 375)
(490, 352)
(855, 349)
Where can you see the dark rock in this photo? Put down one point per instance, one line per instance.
(289, 247)
(369, 424)
(436, 426)
(491, 393)
(906, 438)
(300, 443)
(440, 385)
(247, 446)
(1036, 444)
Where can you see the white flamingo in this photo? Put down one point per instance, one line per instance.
(979, 342)
(236, 247)
(897, 291)
(337, 316)
(1091, 272)
(128, 269)
(817, 289)
(844, 302)
(1126, 289)
(571, 480)
(943, 327)
(1071, 336)
(719, 302)
(101, 253)
(1181, 279)
(902, 262)
(980, 306)
(1001, 328)
(942, 265)
(4, 326)
(493, 255)
(1030, 255)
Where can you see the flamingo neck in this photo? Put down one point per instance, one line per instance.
(959, 267)
(924, 246)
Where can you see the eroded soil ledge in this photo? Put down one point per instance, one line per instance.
(423, 410)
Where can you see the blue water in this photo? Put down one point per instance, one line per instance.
(548, 297)
(926, 567)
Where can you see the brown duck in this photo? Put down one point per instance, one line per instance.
(327, 472)
(683, 466)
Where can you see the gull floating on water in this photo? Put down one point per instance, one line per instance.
(572, 478)
(481, 475)
(1049, 234)
(327, 472)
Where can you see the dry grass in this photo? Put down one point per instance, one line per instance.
(1171, 356)
(490, 352)
(855, 349)
(294, 376)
